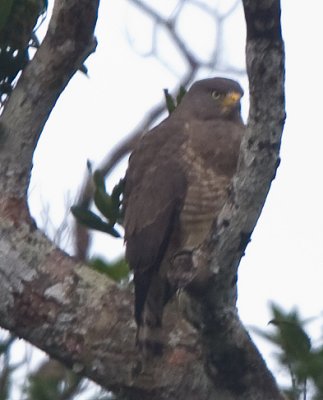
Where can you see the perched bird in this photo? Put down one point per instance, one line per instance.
(176, 184)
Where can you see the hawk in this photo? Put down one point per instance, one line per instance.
(176, 184)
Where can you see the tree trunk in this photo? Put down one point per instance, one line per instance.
(80, 317)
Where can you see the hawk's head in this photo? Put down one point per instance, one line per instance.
(214, 98)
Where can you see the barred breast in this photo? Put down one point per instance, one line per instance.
(205, 197)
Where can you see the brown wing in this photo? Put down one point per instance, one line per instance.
(154, 191)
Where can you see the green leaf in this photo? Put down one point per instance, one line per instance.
(105, 205)
(293, 339)
(52, 381)
(117, 270)
(98, 179)
(315, 369)
(117, 191)
(93, 221)
(108, 205)
(181, 93)
(170, 103)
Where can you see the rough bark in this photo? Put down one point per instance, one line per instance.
(68, 42)
(82, 318)
(227, 347)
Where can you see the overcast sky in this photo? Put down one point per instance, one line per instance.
(284, 261)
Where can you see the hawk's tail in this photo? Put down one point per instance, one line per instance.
(150, 338)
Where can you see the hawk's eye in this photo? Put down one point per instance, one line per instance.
(216, 95)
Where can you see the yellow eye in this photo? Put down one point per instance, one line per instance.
(216, 95)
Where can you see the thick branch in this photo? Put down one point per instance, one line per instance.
(81, 318)
(231, 358)
(68, 42)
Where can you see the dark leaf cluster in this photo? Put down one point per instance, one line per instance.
(18, 19)
(173, 102)
(303, 361)
(109, 206)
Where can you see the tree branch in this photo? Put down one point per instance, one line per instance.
(68, 42)
(229, 351)
(80, 317)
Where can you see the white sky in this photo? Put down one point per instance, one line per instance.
(284, 261)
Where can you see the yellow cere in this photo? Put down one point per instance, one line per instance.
(231, 98)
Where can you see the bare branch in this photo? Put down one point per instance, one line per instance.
(169, 25)
(230, 11)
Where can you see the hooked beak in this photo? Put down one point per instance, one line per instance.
(231, 99)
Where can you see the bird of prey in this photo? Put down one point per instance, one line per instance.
(176, 184)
